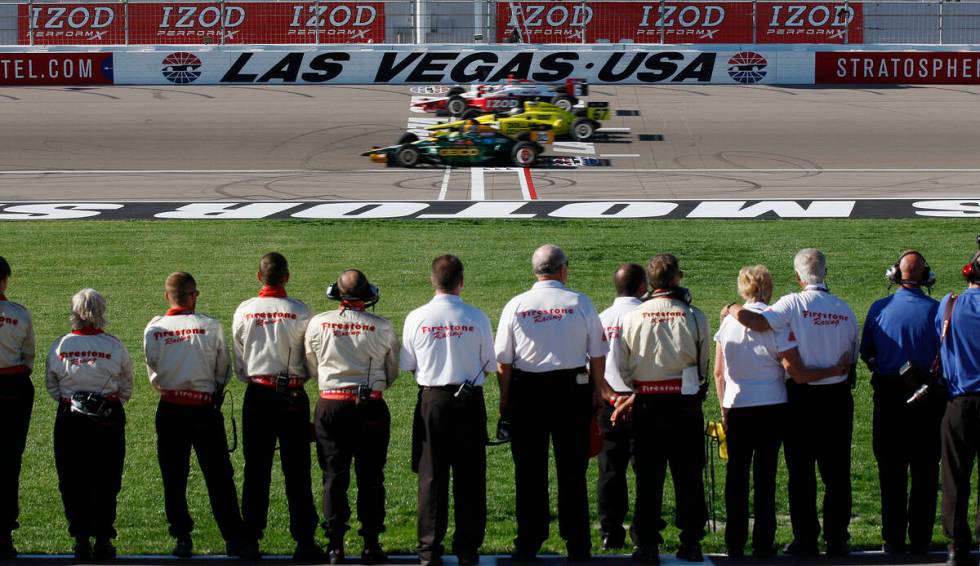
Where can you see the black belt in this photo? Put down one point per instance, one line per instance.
(449, 388)
(555, 373)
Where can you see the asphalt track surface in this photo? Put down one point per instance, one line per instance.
(272, 142)
(857, 558)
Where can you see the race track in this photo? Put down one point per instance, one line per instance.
(666, 142)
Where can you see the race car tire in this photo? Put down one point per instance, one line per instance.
(456, 90)
(471, 113)
(582, 129)
(456, 105)
(564, 102)
(524, 154)
(407, 137)
(407, 156)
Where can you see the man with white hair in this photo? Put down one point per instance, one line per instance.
(16, 404)
(823, 328)
(545, 338)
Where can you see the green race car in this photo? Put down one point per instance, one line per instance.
(579, 124)
(470, 145)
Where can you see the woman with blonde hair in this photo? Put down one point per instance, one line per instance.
(750, 376)
(90, 374)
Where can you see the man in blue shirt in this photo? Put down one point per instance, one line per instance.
(960, 439)
(905, 438)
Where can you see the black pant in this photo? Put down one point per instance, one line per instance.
(180, 428)
(347, 431)
(89, 455)
(553, 406)
(906, 441)
(668, 430)
(819, 435)
(16, 404)
(452, 437)
(614, 459)
(960, 447)
(754, 437)
(268, 417)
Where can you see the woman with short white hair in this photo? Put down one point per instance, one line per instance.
(90, 374)
(750, 370)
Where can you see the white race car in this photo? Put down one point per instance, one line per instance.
(508, 94)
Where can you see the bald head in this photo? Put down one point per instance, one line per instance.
(630, 280)
(912, 267)
(548, 261)
(354, 284)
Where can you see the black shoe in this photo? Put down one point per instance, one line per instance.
(893, 549)
(578, 555)
(690, 552)
(523, 556)
(82, 548)
(837, 549)
(736, 553)
(243, 550)
(7, 550)
(919, 549)
(764, 552)
(468, 559)
(184, 548)
(103, 550)
(612, 542)
(309, 551)
(801, 549)
(373, 553)
(960, 556)
(646, 555)
(335, 552)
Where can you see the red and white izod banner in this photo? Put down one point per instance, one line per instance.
(867, 67)
(153, 23)
(679, 22)
(809, 22)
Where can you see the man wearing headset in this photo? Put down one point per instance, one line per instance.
(824, 329)
(16, 405)
(899, 330)
(663, 356)
(958, 325)
(354, 355)
(267, 334)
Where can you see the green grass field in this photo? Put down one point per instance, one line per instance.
(128, 261)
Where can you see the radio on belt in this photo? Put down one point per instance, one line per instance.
(282, 382)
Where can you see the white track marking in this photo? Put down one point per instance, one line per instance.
(525, 191)
(583, 148)
(476, 184)
(417, 125)
(619, 155)
(445, 184)
(615, 130)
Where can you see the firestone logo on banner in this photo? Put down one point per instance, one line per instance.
(154, 23)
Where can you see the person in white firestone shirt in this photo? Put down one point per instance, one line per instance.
(188, 363)
(545, 338)
(823, 328)
(90, 374)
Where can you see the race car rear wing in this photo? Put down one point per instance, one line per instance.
(576, 87)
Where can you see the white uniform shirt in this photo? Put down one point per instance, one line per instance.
(821, 325)
(186, 351)
(548, 328)
(447, 342)
(89, 362)
(268, 333)
(343, 345)
(754, 374)
(612, 323)
(16, 338)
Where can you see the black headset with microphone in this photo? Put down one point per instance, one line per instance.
(894, 273)
(370, 295)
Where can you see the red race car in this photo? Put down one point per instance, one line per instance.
(508, 94)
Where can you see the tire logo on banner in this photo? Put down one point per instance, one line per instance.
(747, 67)
(181, 67)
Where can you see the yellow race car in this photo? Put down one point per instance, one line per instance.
(579, 124)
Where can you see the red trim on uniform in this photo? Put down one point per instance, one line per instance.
(346, 395)
(179, 310)
(270, 291)
(352, 304)
(3, 297)
(87, 331)
(530, 184)
(665, 387)
(270, 381)
(186, 397)
(13, 370)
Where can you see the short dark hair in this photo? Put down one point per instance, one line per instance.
(447, 272)
(628, 278)
(4, 268)
(662, 270)
(180, 285)
(274, 269)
